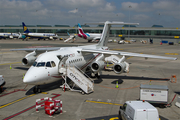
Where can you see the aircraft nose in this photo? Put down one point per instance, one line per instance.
(30, 76)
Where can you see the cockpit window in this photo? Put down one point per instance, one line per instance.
(41, 64)
(53, 64)
(48, 64)
(34, 64)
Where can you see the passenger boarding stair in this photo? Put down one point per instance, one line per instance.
(79, 78)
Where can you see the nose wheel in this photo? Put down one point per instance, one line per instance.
(37, 89)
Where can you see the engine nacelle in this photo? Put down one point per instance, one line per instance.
(29, 59)
(11, 37)
(119, 68)
(51, 37)
(97, 66)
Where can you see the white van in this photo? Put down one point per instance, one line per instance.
(138, 110)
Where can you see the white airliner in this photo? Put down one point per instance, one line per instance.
(91, 37)
(8, 35)
(45, 67)
(44, 36)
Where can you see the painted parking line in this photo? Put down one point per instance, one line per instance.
(117, 49)
(171, 53)
(107, 103)
(10, 63)
(16, 101)
(12, 92)
(14, 115)
(133, 56)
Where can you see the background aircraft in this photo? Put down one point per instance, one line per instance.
(53, 63)
(44, 36)
(8, 35)
(91, 37)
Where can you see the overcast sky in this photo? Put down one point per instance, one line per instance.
(71, 12)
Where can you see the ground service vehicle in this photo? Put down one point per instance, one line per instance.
(138, 110)
(2, 82)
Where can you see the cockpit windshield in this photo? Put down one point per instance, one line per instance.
(44, 64)
(48, 64)
(41, 64)
(34, 64)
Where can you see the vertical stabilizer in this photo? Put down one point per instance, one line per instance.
(80, 29)
(25, 29)
(105, 34)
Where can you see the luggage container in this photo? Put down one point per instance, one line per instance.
(154, 94)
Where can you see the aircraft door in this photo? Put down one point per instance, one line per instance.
(62, 65)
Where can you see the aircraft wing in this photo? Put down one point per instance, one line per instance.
(125, 54)
(37, 49)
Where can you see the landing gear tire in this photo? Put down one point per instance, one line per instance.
(37, 89)
(97, 76)
(120, 117)
(82, 93)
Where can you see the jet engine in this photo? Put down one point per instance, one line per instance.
(51, 37)
(119, 67)
(29, 59)
(97, 66)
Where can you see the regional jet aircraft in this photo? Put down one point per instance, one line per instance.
(47, 66)
(44, 36)
(91, 37)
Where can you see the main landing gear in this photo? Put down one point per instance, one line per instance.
(36, 89)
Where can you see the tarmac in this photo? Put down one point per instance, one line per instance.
(17, 101)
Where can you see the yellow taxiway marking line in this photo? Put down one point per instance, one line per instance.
(132, 56)
(44, 92)
(171, 53)
(10, 63)
(116, 49)
(16, 101)
(6, 52)
(104, 103)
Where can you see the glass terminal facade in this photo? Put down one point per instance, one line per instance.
(155, 30)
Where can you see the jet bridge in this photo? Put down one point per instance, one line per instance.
(77, 76)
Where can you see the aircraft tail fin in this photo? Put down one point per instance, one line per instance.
(68, 33)
(106, 30)
(80, 29)
(25, 29)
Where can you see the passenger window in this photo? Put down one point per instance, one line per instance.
(48, 64)
(34, 64)
(41, 64)
(53, 64)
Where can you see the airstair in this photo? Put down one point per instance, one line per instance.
(78, 78)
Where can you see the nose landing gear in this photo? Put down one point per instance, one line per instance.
(36, 89)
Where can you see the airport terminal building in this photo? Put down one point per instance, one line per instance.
(156, 31)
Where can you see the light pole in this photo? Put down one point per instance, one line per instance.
(129, 20)
(76, 20)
